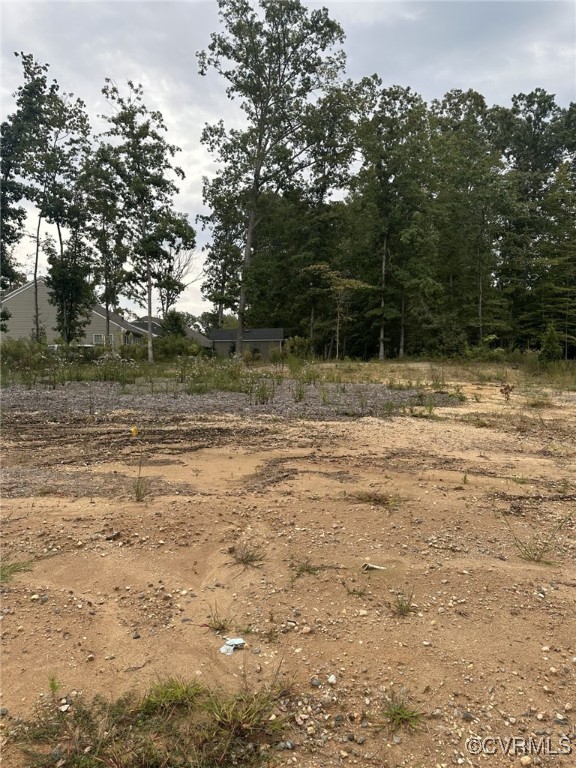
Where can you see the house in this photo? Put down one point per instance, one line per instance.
(191, 334)
(20, 304)
(256, 340)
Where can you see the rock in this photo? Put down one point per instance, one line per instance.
(3, 711)
(525, 760)
(331, 680)
(136, 635)
(315, 683)
(467, 716)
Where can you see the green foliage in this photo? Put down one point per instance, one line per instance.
(174, 323)
(9, 567)
(178, 723)
(399, 712)
(551, 348)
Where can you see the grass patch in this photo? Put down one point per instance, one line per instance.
(218, 621)
(399, 712)
(176, 724)
(538, 548)
(8, 568)
(248, 555)
(402, 605)
(375, 498)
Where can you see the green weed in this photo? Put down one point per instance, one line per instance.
(8, 568)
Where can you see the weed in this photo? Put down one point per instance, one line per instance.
(9, 567)
(376, 499)
(305, 568)
(402, 605)
(176, 723)
(217, 621)
(54, 685)
(520, 479)
(465, 479)
(354, 591)
(539, 401)
(248, 555)
(299, 391)
(173, 692)
(506, 390)
(537, 549)
(140, 484)
(399, 713)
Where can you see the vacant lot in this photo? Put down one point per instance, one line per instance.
(262, 520)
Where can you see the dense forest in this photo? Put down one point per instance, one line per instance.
(361, 219)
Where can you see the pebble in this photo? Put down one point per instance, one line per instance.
(315, 683)
(331, 679)
(525, 760)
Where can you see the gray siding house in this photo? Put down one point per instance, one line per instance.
(257, 340)
(20, 304)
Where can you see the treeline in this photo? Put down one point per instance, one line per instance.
(370, 223)
(361, 219)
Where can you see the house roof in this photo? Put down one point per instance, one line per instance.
(249, 334)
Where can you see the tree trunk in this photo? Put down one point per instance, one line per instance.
(381, 354)
(402, 327)
(36, 309)
(247, 259)
(149, 296)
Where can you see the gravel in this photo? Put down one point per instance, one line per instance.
(318, 402)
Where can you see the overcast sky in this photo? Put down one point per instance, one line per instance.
(499, 48)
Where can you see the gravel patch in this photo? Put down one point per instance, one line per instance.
(291, 401)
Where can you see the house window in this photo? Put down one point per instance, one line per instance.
(99, 339)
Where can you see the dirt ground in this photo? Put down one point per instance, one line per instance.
(442, 499)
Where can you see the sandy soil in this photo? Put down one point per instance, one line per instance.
(122, 592)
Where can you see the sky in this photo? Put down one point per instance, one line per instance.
(497, 47)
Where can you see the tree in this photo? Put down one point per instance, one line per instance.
(107, 226)
(69, 287)
(48, 139)
(174, 323)
(276, 60)
(142, 160)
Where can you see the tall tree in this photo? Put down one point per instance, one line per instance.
(144, 181)
(48, 141)
(277, 58)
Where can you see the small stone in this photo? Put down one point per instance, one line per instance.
(396, 739)
(136, 635)
(467, 716)
(360, 739)
(3, 711)
(90, 657)
(35, 597)
(525, 760)
(331, 679)
(306, 630)
(315, 683)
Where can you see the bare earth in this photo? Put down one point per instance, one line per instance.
(122, 593)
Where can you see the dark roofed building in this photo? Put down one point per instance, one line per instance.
(256, 340)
